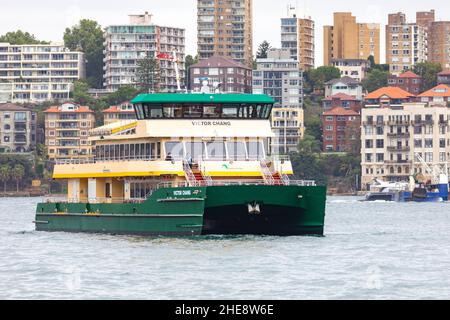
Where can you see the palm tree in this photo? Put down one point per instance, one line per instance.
(5, 175)
(17, 174)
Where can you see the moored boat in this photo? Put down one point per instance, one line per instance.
(191, 164)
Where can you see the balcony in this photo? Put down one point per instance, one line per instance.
(399, 148)
(398, 162)
(399, 135)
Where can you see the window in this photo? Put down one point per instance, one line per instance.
(236, 150)
(380, 157)
(380, 143)
(368, 157)
(369, 144)
(216, 150)
(428, 143)
(175, 150)
(196, 150)
(255, 150)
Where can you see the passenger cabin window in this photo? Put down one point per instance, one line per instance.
(196, 111)
(196, 150)
(236, 150)
(174, 151)
(216, 150)
(255, 150)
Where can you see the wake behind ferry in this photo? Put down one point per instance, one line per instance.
(192, 164)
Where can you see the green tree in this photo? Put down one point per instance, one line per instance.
(317, 77)
(428, 71)
(125, 93)
(148, 74)
(263, 50)
(80, 93)
(375, 79)
(5, 175)
(17, 174)
(190, 60)
(19, 37)
(307, 167)
(309, 145)
(373, 65)
(87, 36)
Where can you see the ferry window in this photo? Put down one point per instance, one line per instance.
(216, 150)
(127, 151)
(158, 150)
(255, 150)
(132, 151)
(212, 111)
(107, 153)
(196, 150)
(173, 111)
(193, 111)
(122, 151)
(236, 150)
(117, 151)
(230, 111)
(156, 112)
(175, 149)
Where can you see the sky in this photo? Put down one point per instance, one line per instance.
(47, 19)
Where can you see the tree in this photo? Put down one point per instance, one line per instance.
(80, 93)
(17, 174)
(189, 61)
(375, 79)
(19, 37)
(428, 71)
(5, 175)
(125, 93)
(263, 50)
(87, 37)
(307, 167)
(373, 65)
(318, 77)
(309, 145)
(148, 74)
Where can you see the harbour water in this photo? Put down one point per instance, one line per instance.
(370, 251)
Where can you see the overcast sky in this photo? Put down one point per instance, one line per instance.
(47, 19)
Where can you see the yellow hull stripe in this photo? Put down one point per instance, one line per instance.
(123, 128)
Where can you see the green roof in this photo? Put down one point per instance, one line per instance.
(202, 98)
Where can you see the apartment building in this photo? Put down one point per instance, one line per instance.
(67, 130)
(392, 136)
(279, 77)
(345, 85)
(38, 72)
(17, 128)
(408, 81)
(353, 68)
(439, 43)
(341, 100)
(406, 43)
(338, 125)
(229, 74)
(297, 35)
(126, 44)
(224, 28)
(347, 39)
(123, 111)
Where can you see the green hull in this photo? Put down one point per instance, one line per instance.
(281, 210)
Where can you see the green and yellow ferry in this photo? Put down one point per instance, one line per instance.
(191, 164)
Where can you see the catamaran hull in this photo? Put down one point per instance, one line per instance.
(224, 210)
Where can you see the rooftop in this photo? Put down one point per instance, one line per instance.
(69, 108)
(12, 107)
(444, 73)
(391, 92)
(345, 80)
(409, 74)
(202, 98)
(340, 96)
(441, 90)
(339, 111)
(218, 62)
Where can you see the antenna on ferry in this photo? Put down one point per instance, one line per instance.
(177, 71)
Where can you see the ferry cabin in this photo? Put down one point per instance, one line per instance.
(178, 140)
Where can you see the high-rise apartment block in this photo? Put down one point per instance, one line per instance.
(224, 28)
(17, 128)
(279, 77)
(126, 44)
(297, 35)
(439, 43)
(406, 43)
(67, 131)
(38, 72)
(347, 39)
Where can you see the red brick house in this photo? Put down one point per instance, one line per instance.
(408, 81)
(335, 127)
(341, 100)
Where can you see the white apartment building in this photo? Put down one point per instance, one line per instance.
(38, 72)
(406, 44)
(279, 77)
(391, 138)
(126, 44)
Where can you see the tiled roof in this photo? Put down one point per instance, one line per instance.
(218, 62)
(339, 111)
(116, 109)
(391, 92)
(340, 96)
(80, 109)
(12, 107)
(441, 90)
(346, 80)
(409, 74)
(444, 73)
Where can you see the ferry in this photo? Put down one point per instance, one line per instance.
(191, 164)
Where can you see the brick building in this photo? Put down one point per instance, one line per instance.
(335, 125)
(408, 81)
(341, 100)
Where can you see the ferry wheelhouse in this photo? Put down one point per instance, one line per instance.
(190, 164)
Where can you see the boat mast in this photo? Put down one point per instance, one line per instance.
(177, 71)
